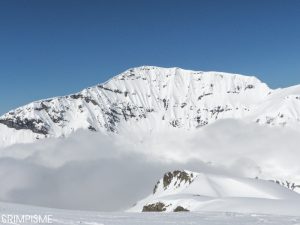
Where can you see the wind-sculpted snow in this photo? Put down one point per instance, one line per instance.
(162, 97)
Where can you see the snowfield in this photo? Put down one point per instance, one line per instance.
(67, 217)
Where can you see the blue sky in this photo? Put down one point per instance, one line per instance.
(56, 47)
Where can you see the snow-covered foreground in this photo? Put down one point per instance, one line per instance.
(96, 218)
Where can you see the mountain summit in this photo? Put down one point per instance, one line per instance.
(155, 96)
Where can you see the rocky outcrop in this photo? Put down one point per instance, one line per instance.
(290, 185)
(180, 176)
(155, 207)
(180, 209)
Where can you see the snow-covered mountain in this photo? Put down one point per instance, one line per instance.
(190, 191)
(160, 97)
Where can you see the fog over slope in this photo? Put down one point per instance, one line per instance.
(111, 172)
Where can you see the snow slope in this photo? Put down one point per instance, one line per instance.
(185, 190)
(161, 97)
(67, 217)
(280, 108)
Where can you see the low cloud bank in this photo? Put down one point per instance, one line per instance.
(93, 171)
(87, 171)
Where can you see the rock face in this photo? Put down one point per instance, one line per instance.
(183, 191)
(170, 97)
(180, 177)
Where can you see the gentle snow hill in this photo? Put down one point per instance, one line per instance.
(190, 191)
(162, 97)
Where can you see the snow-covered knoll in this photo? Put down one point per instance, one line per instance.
(190, 191)
(161, 97)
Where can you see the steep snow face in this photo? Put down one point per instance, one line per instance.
(163, 97)
(190, 191)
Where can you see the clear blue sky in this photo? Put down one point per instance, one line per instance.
(56, 47)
